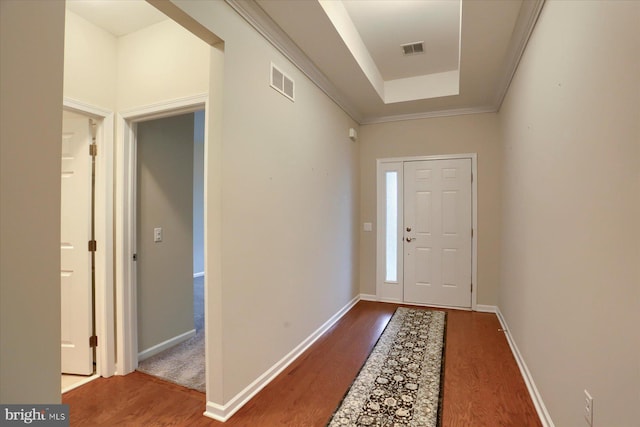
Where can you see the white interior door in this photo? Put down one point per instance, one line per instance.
(437, 232)
(75, 265)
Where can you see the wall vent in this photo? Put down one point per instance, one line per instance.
(412, 48)
(282, 83)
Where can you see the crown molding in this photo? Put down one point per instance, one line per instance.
(527, 18)
(430, 114)
(251, 12)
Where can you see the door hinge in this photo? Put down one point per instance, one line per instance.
(471, 287)
(135, 257)
(93, 246)
(93, 341)
(93, 150)
(472, 177)
(472, 233)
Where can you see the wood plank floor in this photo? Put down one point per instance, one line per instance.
(482, 383)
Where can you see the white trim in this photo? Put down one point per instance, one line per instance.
(430, 114)
(448, 307)
(171, 107)
(368, 297)
(126, 304)
(380, 167)
(224, 412)
(164, 345)
(84, 108)
(80, 382)
(104, 309)
(543, 414)
(434, 157)
(486, 308)
(126, 293)
(527, 18)
(198, 274)
(476, 232)
(389, 300)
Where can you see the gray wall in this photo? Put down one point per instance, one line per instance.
(198, 193)
(31, 67)
(165, 199)
(570, 275)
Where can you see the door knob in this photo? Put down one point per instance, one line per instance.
(408, 228)
(410, 239)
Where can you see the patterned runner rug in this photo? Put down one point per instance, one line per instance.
(399, 385)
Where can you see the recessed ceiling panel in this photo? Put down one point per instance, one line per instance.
(386, 25)
(429, 75)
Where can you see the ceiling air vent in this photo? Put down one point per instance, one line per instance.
(412, 48)
(282, 83)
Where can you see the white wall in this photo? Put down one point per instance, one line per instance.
(31, 64)
(476, 133)
(160, 63)
(90, 55)
(570, 275)
(289, 192)
(155, 64)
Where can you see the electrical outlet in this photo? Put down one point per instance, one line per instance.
(588, 408)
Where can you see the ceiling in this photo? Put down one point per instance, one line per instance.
(118, 17)
(352, 48)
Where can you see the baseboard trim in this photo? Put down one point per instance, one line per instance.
(224, 412)
(486, 308)
(199, 274)
(543, 414)
(159, 348)
(80, 383)
(371, 297)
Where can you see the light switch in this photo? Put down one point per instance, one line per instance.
(157, 234)
(367, 226)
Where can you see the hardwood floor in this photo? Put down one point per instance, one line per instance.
(482, 383)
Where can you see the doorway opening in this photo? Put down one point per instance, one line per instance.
(148, 323)
(170, 301)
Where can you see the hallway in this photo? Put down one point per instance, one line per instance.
(483, 385)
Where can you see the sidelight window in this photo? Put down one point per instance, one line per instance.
(391, 238)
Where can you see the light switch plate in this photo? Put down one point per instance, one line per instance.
(367, 226)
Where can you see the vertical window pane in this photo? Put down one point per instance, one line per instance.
(392, 227)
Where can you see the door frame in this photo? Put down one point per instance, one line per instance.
(104, 262)
(126, 286)
(394, 291)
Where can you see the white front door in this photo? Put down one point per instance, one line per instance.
(437, 232)
(75, 262)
